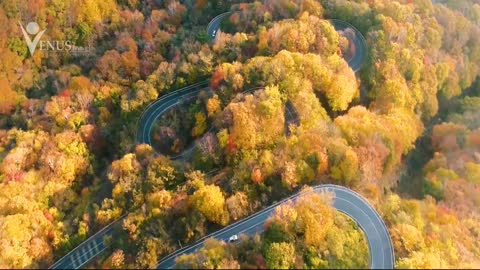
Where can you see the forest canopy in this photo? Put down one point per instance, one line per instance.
(283, 110)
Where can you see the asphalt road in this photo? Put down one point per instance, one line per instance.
(162, 105)
(95, 245)
(291, 117)
(88, 249)
(368, 219)
(360, 55)
(345, 201)
(357, 40)
(214, 25)
(166, 103)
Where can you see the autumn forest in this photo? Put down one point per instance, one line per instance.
(277, 109)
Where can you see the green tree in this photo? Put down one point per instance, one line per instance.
(473, 172)
(280, 255)
(211, 256)
(160, 174)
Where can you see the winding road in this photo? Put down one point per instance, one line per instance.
(163, 105)
(357, 41)
(346, 201)
(214, 25)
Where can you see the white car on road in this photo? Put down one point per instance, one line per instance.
(233, 238)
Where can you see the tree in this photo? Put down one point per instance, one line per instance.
(160, 174)
(108, 66)
(237, 205)
(159, 201)
(126, 43)
(212, 255)
(166, 140)
(256, 121)
(289, 177)
(467, 113)
(308, 34)
(473, 172)
(314, 218)
(18, 236)
(392, 89)
(256, 176)
(125, 173)
(200, 124)
(163, 77)
(280, 255)
(148, 256)
(406, 239)
(448, 137)
(65, 158)
(270, 102)
(274, 233)
(346, 244)
(436, 181)
(344, 166)
(116, 260)
(330, 76)
(141, 93)
(209, 145)
(213, 106)
(131, 65)
(222, 137)
(9, 97)
(312, 7)
(176, 12)
(209, 201)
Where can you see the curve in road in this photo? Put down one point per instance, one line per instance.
(166, 103)
(163, 105)
(345, 200)
(214, 25)
(95, 245)
(359, 43)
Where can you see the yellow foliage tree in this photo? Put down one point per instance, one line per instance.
(314, 218)
(209, 201)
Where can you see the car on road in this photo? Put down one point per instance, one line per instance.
(233, 238)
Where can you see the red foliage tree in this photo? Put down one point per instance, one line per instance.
(231, 145)
(217, 77)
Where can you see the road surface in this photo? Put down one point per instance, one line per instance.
(360, 55)
(214, 25)
(95, 245)
(345, 201)
(359, 43)
(88, 249)
(161, 106)
(291, 117)
(166, 103)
